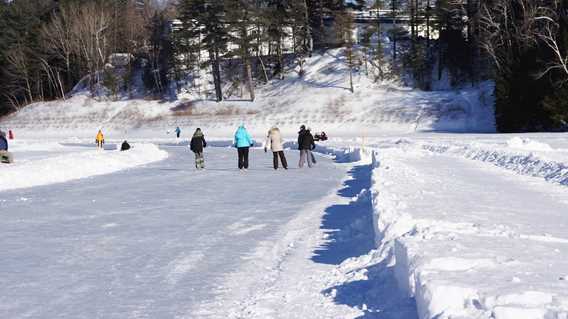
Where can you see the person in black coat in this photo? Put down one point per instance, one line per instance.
(125, 146)
(5, 156)
(3, 142)
(306, 144)
(197, 145)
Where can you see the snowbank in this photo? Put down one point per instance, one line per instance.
(340, 154)
(528, 144)
(523, 163)
(62, 168)
(462, 248)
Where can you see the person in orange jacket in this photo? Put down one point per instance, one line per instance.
(100, 140)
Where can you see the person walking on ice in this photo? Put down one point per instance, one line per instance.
(275, 143)
(178, 132)
(5, 156)
(197, 145)
(305, 144)
(243, 142)
(100, 140)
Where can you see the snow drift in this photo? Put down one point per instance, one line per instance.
(524, 163)
(463, 244)
(62, 168)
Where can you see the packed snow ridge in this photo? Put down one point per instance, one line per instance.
(33, 169)
(515, 160)
(470, 235)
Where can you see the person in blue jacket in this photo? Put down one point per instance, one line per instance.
(243, 141)
(178, 132)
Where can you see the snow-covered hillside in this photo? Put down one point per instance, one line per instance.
(321, 99)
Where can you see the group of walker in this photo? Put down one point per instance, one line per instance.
(274, 141)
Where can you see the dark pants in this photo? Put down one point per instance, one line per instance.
(243, 157)
(282, 159)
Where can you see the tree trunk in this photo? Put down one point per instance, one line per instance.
(214, 56)
(350, 53)
(428, 9)
(248, 78)
(263, 69)
(394, 32)
(280, 59)
(310, 42)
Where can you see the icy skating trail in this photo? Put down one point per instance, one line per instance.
(153, 242)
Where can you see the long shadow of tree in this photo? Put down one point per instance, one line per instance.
(350, 233)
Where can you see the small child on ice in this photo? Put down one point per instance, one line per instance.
(197, 145)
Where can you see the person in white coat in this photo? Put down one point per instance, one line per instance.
(275, 142)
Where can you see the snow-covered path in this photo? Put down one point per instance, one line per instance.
(151, 242)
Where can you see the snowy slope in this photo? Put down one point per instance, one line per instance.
(321, 99)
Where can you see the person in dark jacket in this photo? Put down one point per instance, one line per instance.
(3, 142)
(301, 136)
(305, 144)
(5, 156)
(197, 145)
(125, 146)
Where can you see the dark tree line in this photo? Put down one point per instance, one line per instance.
(250, 32)
(48, 46)
(527, 40)
(520, 44)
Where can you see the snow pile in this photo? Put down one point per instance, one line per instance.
(528, 144)
(465, 242)
(34, 146)
(341, 154)
(521, 163)
(62, 168)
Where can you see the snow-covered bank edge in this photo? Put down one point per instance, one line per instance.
(426, 254)
(74, 166)
(523, 163)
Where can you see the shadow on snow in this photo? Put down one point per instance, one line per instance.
(350, 233)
